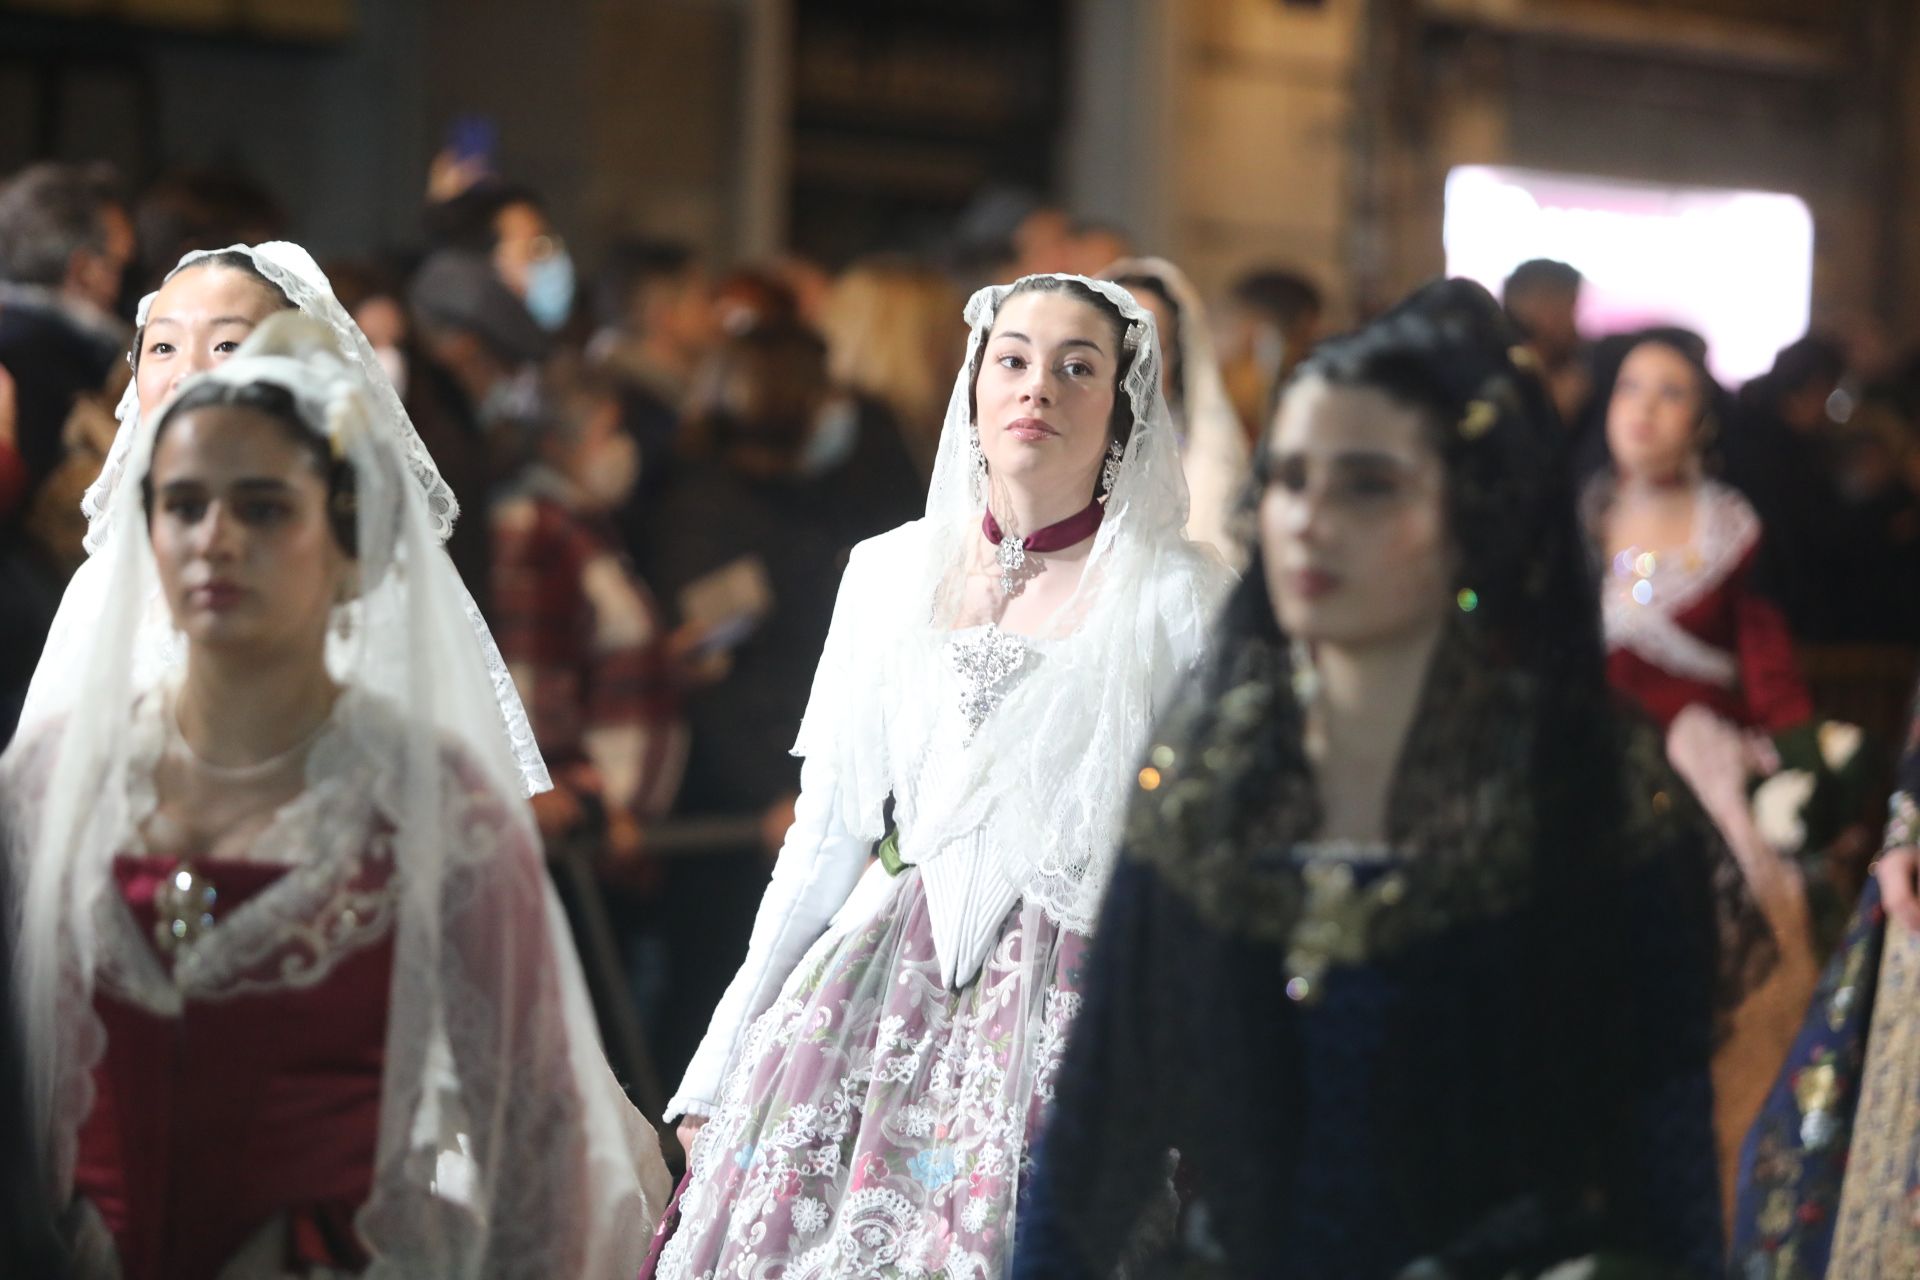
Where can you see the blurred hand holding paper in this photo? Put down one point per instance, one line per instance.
(727, 605)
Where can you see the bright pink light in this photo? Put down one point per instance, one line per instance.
(1737, 266)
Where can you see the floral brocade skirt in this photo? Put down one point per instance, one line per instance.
(876, 1123)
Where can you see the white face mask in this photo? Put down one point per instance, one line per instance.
(836, 431)
(614, 470)
(394, 361)
(550, 287)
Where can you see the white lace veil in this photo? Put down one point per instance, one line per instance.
(505, 1146)
(293, 271)
(1215, 455)
(1046, 776)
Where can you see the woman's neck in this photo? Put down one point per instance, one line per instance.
(234, 712)
(1652, 488)
(1654, 512)
(1023, 511)
(1357, 727)
(1368, 694)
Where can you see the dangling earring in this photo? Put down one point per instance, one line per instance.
(1110, 472)
(343, 603)
(978, 473)
(1306, 680)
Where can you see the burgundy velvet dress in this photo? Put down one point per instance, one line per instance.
(207, 1126)
(1691, 627)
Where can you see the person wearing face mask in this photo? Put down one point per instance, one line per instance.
(581, 634)
(773, 485)
(658, 323)
(482, 353)
(1411, 948)
(872, 1081)
(603, 678)
(506, 223)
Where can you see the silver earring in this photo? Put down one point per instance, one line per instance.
(343, 621)
(978, 473)
(1110, 473)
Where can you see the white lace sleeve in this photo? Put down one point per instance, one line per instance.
(544, 1168)
(819, 864)
(1192, 587)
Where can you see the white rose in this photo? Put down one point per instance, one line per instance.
(1839, 743)
(1778, 806)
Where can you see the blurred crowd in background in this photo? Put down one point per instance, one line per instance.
(663, 462)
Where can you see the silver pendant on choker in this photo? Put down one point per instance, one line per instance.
(1011, 555)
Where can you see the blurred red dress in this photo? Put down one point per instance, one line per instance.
(1689, 627)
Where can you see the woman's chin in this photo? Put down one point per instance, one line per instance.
(1034, 473)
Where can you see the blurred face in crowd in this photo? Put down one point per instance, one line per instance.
(383, 320)
(681, 312)
(1044, 243)
(98, 274)
(1804, 408)
(240, 531)
(523, 237)
(1045, 394)
(198, 319)
(1653, 420)
(1547, 314)
(1299, 338)
(1098, 248)
(1353, 527)
(594, 452)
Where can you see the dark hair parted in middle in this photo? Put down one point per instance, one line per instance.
(1449, 352)
(233, 260)
(277, 403)
(1120, 425)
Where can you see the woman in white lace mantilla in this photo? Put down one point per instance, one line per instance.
(865, 1100)
(298, 997)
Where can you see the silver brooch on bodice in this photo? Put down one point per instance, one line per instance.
(183, 909)
(988, 663)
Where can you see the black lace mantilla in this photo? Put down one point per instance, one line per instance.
(1220, 814)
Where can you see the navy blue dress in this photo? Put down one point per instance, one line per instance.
(1405, 1109)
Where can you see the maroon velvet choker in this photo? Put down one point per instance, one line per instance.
(1055, 537)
